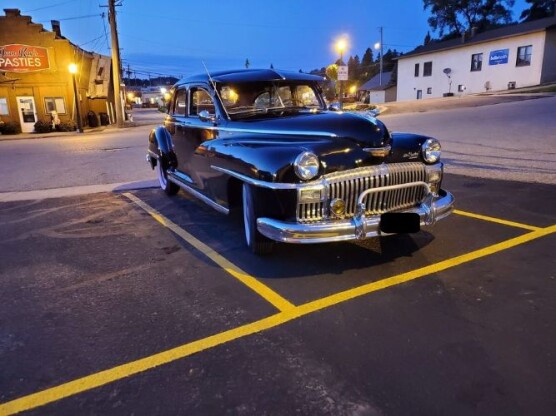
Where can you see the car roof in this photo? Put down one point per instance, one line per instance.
(252, 75)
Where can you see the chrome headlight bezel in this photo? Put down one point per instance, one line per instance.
(431, 150)
(306, 166)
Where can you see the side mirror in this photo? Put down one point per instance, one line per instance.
(335, 107)
(206, 116)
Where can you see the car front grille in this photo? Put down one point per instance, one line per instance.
(348, 185)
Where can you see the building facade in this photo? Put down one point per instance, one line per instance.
(513, 56)
(35, 81)
(379, 89)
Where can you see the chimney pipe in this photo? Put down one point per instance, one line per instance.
(473, 31)
(463, 35)
(56, 28)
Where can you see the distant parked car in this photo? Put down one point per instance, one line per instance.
(264, 142)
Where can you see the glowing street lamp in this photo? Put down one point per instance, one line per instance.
(73, 70)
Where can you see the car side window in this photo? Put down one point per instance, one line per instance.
(200, 100)
(180, 102)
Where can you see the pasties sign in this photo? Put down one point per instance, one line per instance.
(23, 58)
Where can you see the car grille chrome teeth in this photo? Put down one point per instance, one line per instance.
(348, 185)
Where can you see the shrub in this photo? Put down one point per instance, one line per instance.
(67, 126)
(42, 126)
(9, 127)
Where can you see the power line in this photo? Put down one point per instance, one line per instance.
(49, 7)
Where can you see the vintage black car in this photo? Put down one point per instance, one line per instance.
(263, 141)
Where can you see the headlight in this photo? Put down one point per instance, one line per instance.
(431, 150)
(306, 165)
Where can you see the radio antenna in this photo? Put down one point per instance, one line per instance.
(216, 91)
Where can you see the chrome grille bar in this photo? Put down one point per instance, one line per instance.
(348, 185)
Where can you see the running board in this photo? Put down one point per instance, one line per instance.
(180, 179)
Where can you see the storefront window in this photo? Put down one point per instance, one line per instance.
(3, 106)
(55, 104)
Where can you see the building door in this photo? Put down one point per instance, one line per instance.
(27, 113)
(419, 94)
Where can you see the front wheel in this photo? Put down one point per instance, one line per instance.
(257, 242)
(161, 170)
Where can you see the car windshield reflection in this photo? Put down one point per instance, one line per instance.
(268, 97)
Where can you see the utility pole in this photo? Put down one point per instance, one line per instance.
(381, 53)
(116, 66)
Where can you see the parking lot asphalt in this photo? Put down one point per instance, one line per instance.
(136, 303)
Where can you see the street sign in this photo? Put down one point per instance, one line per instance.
(342, 73)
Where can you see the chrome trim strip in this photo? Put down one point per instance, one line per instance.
(175, 178)
(283, 132)
(264, 184)
(152, 154)
(343, 230)
(378, 151)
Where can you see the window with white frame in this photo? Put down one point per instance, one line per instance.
(4, 106)
(524, 55)
(476, 62)
(55, 104)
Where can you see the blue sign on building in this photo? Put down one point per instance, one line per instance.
(499, 57)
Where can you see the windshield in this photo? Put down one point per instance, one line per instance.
(247, 98)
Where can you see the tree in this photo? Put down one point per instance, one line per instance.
(538, 9)
(368, 68)
(459, 16)
(354, 67)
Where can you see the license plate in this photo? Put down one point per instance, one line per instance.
(400, 222)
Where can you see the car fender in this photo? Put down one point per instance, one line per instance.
(160, 146)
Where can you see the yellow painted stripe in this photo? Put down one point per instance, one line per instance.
(117, 373)
(261, 289)
(496, 220)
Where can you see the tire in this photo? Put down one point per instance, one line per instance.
(161, 170)
(256, 242)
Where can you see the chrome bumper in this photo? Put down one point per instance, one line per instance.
(431, 210)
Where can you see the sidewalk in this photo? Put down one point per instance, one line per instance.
(87, 131)
(448, 103)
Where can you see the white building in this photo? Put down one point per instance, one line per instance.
(513, 56)
(379, 89)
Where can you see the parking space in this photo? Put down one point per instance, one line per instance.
(139, 303)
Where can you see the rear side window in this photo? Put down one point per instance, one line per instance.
(180, 102)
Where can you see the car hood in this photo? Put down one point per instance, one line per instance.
(364, 130)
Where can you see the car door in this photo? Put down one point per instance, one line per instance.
(197, 132)
(175, 124)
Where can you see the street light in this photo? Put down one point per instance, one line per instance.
(73, 70)
(341, 47)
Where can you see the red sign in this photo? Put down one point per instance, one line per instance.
(23, 58)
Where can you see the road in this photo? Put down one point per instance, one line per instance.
(510, 141)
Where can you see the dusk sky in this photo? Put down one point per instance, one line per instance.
(173, 37)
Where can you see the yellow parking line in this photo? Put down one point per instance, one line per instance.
(261, 289)
(129, 369)
(496, 220)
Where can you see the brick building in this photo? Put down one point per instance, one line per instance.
(34, 74)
